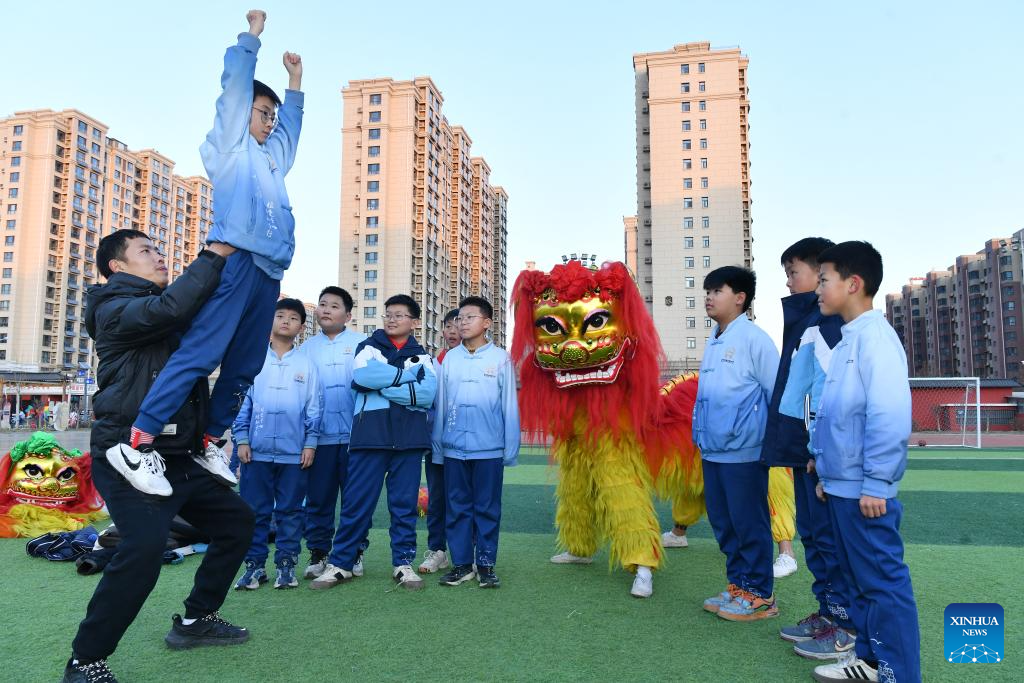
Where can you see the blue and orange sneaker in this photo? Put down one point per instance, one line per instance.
(749, 607)
(713, 604)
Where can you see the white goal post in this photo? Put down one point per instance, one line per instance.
(947, 411)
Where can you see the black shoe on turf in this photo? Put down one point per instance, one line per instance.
(487, 577)
(459, 574)
(93, 672)
(210, 630)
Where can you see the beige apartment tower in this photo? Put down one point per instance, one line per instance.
(418, 213)
(64, 183)
(693, 185)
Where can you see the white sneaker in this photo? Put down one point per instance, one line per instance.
(670, 540)
(784, 565)
(643, 584)
(317, 564)
(144, 470)
(330, 577)
(849, 668)
(569, 558)
(357, 567)
(433, 561)
(215, 461)
(407, 578)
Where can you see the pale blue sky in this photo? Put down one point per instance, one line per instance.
(899, 123)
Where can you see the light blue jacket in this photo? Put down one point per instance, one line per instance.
(251, 210)
(477, 411)
(281, 412)
(333, 360)
(737, 375)
(863, 421)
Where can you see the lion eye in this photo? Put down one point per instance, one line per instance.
(34, 471)
(550, 325)
(66, 474)
(596, 320)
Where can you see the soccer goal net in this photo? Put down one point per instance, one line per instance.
(947, 411)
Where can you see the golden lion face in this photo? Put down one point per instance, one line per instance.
(580, 342)
(46, 480)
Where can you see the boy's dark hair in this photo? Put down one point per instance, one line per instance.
(346, 298)
(292, 305)
(113, 247)
(450, 316)
(404, 300)
(806, 250)
(483, 304)
(738, 279)
(260, 88)
(856, 258)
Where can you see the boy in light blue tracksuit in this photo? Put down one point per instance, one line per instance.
(332, 350)
(737, 375)
(246, 157)
(276, 435)
(859, 442)
(476, 435)
(808, 338)
(395, 383)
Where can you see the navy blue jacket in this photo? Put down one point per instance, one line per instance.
(394, 390)
(808, 338)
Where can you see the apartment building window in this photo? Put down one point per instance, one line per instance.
(702, 105)
(373, 169)
(1007, 305)
(707, 261)
(705, 202)
(371, 221)
(371, 240)
(12, 208)
(369, 311)
(368, 329)
(370, 294)
(5, 305)
(690, 283)
(372, 204)
(1011, 351)
(700, 67)
(371, 257)
(704, 183)
(1006, 275)
(374, 116)
(688, 262)
(15, 177)
(9, 241)
(687, 164)
(686, 107)
(687, 183)
(684, 87)
(686, 125)
(370, 276)
(375, 98)
(688, 222)
(7, 274)
(691, 342)
(691, 302)
(374, 151)
(684, 69)
(701, 87)
(691, 323)
(12, 193)
(705, 221)
(688, 202)
(703, 143)
(15, 161)
(706, 241)
(688, 242)
(11, 224)
(1010, 320)
(687, 144)
(703, 124)
(374, 134)
(18, 130)
(707, 322)
(372, 185)
(16, 146)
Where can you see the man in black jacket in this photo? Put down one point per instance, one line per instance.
(136, 321)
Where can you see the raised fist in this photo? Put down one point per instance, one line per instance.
(256, 18)
(292, 63)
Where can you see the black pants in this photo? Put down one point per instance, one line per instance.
(144, 522)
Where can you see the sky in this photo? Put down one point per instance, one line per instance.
(898, 123)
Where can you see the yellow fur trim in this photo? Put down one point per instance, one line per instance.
(30, 521)
(684, 488)
(782, 503)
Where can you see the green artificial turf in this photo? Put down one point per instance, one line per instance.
(551, 623)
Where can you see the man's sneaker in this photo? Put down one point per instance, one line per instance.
(487, 578)
(433, 561)
(215, 461)
(144, 469)
(286, 576)
(749, 607)
(670, 540)
(807, 628)
(254, 577)
(209, 630)
(330, 577)
(569, 558)
(357, 566)
(405, 577)
(832, 643)
(849, 668)
(785, 564)
(459, 574)
(715, 603)
(643, 585)
(93, 672)
(317, 564)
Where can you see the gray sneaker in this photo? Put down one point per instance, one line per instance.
(832, 643)
(805, 629)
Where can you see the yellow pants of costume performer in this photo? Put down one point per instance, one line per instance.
(604, 493)
(688, 504)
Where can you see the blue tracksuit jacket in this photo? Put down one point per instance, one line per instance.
(333, 359)
(737, 374)
(394, 390)
(477, 411)
(281, 412)
(251, 210)
(862, 427)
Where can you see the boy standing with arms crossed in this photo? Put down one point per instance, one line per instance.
(737, 374)
(860, 448)
(476, 435)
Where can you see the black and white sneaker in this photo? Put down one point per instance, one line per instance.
(459, 574)
(317, 564)
(849, 668)
(93, 672)
(487, 577)
(142, 468)
(215, 461)
(210, 630)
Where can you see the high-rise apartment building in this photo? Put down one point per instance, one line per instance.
(693, 185)
(632, 252)
(965, 321)
(499, 261)
(64, 183)
(417, 209)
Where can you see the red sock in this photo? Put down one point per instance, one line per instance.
(140, 438)
(207, 440)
